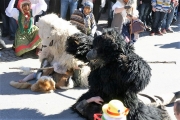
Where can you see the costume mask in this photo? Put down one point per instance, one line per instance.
(24, 4)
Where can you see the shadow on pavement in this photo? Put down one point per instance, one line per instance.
(33, 114)
(175, 45)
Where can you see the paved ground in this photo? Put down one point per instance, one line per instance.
(18, 104)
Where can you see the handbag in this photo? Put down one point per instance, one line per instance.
(136, 26)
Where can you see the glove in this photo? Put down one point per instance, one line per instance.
(127, 7)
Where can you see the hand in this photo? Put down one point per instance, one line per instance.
(169, 11)
(127, 7)
(140, 2)
(154, 9)
(96, 99)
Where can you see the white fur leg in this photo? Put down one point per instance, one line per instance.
(70, 85)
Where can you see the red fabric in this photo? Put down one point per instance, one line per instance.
(21, 47)
(20, 3)
(97, 116)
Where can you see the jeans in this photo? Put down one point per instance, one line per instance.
(157, 21)
(9, 25)
(97, 10)
(110, 12)
(64, 7)
(168, 19)
(144, 11)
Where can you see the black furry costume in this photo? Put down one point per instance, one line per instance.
(116, 73)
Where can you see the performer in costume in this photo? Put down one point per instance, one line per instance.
(26, 38)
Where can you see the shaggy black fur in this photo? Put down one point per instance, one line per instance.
(79, 45)
(119, 73)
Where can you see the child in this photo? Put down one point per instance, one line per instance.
(26, 38)
(84, 19)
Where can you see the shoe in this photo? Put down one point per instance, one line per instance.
(159, 33)
(2, 44)
(169, 30)
(4, 35)
(11, 38)
(163, 31)
(152, 34)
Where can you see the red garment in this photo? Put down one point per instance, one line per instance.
(20, 2)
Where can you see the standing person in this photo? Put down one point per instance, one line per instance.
(26, 38)
(54, 7)
(160, 8)
(121, 8)
(65, 4)
(144, 7)
(9, 25)
(168, 18)
(177, 109)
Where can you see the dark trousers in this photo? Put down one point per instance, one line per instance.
(9, 25)
(157, 21)
(144, 12)
(97, 10)
(110, 12)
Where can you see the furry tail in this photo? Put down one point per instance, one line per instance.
(144, 112)
(19, 85)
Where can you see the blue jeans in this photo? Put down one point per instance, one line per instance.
(168, 19)
(64, 7)
(157, 21)
(144, 11)
(9, 25)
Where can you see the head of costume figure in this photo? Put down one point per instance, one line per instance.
(88, 7)
(24, 6)
(114, 109)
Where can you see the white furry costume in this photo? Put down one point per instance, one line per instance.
(54, 32)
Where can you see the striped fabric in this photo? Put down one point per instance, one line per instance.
(161, 5)
(78, 20)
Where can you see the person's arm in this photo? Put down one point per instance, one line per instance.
(37, 8)
(93, 25)
(153, 3)
(11, 11)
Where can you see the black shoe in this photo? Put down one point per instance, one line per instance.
(2, 44)
(11, 38)
(4, 35)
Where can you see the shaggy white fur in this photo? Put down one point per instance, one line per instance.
(54, 32)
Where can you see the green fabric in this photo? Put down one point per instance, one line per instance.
(25, 39)
(21, 20)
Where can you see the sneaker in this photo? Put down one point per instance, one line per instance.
(169, 30)
(163, 31)
(159, 33)
(11, 38)
(152, 34)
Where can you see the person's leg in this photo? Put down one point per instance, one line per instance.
(164, 24)
(161, 18)
(64, 8)
(110, 13)
(155, 21)
(12, 28)
(28, 77)
(73, 6)
(146, 12)
(169, 20)
(142, 8)
(97, 10)
(5, 25)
